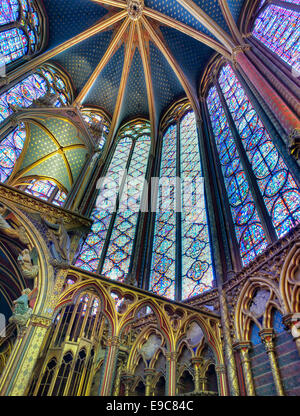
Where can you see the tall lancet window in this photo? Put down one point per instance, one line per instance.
(20, 29)
(181, 265)
(45, 83)
(278, 28)
(245, 138)
(109, 246)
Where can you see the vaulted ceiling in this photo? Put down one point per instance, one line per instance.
(134, 58)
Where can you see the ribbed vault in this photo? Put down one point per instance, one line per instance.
(136, 57)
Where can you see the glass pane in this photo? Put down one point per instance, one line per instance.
(248, 229)
(278, 188)
(197, 271)
(162, 277)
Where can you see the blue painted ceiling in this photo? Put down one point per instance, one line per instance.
(67, 18)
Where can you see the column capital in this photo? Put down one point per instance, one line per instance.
(220, 368)
(237, 50)
(197, 361)
(241, 345)
(171, 356)
(267, 335)
(113, 341)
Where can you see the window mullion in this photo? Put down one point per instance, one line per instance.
(254, 189)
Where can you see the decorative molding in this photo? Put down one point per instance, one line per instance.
(31, 203)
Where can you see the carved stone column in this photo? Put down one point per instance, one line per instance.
(171, 373)
(197, 363)
(22, 360)
(221, 378)
(267, 338)
(149, 377)
(243, 348)
(128, 380)
(117, 381)
(109, 366)
(288, 120)
(230, 360)
(292, 321)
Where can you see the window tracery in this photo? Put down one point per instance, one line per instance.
(45, 189)
(278, 29)
(185, 238)
(23, 36)
(109, 245)
(277, 186)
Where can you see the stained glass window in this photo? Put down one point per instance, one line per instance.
(98, 125)
(162, 277)
(197, 271)
(117, 206)
(278, 188)
(25, 35)
(196, 274)
(248, 229)
(46, 190)
(10, 150)
(44, 81)
(279, 29)
(9, 11)
(33, 87)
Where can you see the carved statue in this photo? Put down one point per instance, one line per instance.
(22, 311)
(29, 270)
(61, 242)
(18, 233)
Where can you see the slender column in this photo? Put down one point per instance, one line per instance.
(230, 360)
(292, 321)
(257, 196)
(22, 360)
(243, 348)
(149, 376)
(109, 366)
(284, 85)
(279, 66)
(79, 188)
(128, 380)
(283, 113)
(221, 378)
(117, 381)
(171, 373)
(197, 363)
(203, 383)
(267, 338)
